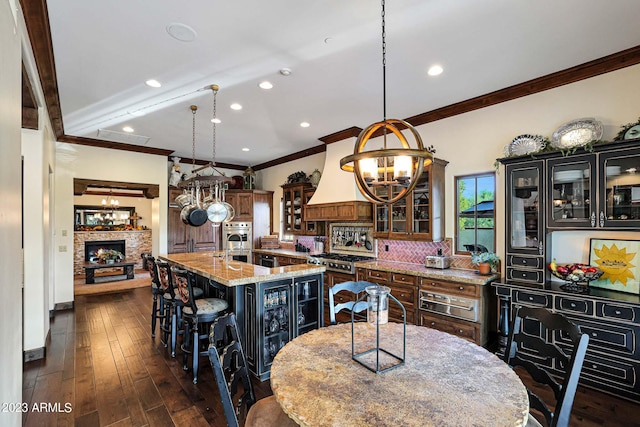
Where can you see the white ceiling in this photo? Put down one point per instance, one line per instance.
(105, 50)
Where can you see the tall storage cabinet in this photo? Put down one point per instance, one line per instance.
(254, 206)
(419, 216)
(185, 238)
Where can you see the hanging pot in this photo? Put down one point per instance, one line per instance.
(184, 200)
(193, 214)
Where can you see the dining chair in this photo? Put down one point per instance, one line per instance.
(157, 308)
(555, 327)
(356, 288)
(197, 316)
(230, 371)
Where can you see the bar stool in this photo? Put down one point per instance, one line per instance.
(157, 310)
(197, 317)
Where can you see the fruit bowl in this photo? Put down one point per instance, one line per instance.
(576, 273)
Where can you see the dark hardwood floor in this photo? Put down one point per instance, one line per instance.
(102, 361)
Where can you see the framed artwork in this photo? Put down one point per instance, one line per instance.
(620, 262)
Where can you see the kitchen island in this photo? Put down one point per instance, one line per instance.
(272, 305)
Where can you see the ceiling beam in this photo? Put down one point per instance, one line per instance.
(150, 191)
(288, 158)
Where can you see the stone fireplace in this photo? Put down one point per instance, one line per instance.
(135, 242)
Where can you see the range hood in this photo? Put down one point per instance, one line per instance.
(337, 197)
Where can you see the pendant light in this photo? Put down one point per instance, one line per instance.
(387, 175)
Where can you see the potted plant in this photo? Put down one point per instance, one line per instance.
(109, 256)
(486, 261)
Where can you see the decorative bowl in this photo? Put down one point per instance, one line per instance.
(577, 273)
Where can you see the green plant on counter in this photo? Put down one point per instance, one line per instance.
(478, 258)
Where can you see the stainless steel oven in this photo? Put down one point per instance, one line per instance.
(449, 305)
(268, 260)
(237, 240)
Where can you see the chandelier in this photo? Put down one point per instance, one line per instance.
(387, 174)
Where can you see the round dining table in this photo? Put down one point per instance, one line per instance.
(444, 381)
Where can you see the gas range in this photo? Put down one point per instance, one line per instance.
(338, 262)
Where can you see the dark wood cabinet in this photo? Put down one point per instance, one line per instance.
(185, 238)
(419, 216)
(254, 206)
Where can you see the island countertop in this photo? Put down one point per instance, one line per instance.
(214, 266)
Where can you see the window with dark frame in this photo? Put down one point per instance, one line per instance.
(475, 213)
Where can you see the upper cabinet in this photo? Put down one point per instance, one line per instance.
(419, 216)
(254, 206)
(293, 204)
(599, 189)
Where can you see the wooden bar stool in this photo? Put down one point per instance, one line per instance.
(197, 317)
(157, 310)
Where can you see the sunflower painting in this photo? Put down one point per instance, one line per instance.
(620, 262)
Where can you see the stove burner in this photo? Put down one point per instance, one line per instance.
(575, 288)
(338, 262)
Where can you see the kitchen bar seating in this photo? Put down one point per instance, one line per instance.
(157, 310)
(356, 288)
(172, 306)
(197, 316)
(551, 323)
(230, 371)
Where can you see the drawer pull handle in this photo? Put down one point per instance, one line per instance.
(530, 298)
(433, 323)
(460, 331)
(573, 305)
(594, 334)
(618, 312)
(402, 295)
(524, 261)
(594, 366)
(461, 288)
(524, 274)
(434, 284)
(402, 278)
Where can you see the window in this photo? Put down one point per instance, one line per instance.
(475, 213)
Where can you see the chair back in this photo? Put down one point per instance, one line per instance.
(184, 284)
(555, 327)
(354, 287)
(165, 278)
(153, 271)
(230, 369)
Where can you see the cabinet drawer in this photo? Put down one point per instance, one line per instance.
(378, 275)
(403, 278)
(609, 338)
(461, 289)
(467, 330)
(407, 295)
(525, 261)
(395, 314)
(612, 374)
(617, 312)
(534, 276)
(532, 299)
(574, 305)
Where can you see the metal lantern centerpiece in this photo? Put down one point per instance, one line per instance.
(392, 168)
(378, 359)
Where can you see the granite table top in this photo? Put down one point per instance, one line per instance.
(446, 381)
(215, 266)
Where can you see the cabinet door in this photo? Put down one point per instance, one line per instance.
(525, 207)
(177, 231)
(206, 237)
(619, 194)
(244, 207)
(571, 192)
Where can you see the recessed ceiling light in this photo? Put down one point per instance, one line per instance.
(245, 149)
(265, 85)
(127, 129)
(304, 125)
(236, 106)
(435, 70)
(285, 71)
(153, 83)
(216, 120)
(181, 32)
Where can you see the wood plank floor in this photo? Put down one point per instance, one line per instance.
(102, 361)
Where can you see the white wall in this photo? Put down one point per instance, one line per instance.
(85, 162)
(10, 215)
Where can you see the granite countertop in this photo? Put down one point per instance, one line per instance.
(287, 252)
(214, 266)
(450, 274)
(446, 381)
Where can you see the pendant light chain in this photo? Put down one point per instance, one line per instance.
(193, 139)
(384, 65)
(215, 92)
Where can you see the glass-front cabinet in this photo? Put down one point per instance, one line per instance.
(275, 313)
(293, 207)
(620, 189)
(420, 215)
(572, 182)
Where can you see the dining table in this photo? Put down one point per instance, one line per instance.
(444, 381)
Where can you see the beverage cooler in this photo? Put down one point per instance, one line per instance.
(275, 313)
